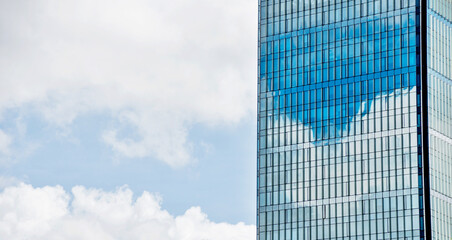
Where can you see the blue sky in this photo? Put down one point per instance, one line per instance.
(222, 181)
(132, 107)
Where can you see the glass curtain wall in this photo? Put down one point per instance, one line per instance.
(338, 117)
(439, 39)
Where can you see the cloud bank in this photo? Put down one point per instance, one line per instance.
(51, 213)
(155, 67)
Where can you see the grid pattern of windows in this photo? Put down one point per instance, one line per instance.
(440, 115)
(338, 140)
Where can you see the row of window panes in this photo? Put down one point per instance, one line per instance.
(339, 117)
(402, 205)
(284, 173)
(381, 44)
(387, 167)
(333, 187)
(326, 232)
(333, 73)
(331, 152)
(360, 66)
(349, 51)
(379, 146)
(333, 57)
(314, 177)
(359, 91)
(324, 92)
(334, 113)
(353, 66)
(374, 122)
(304, 192)
(332, 12)
(329, 131)
(278, 26)
(330, 126)
(337, 190)
(343, 36)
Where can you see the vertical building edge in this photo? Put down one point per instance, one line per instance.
(424, 123)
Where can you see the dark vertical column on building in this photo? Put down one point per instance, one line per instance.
(424, 124)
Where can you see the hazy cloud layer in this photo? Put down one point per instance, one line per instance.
(156, 67)
(5, 142)
(51, 213)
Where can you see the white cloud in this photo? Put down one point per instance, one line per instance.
(8, 181)
(51, 213)
(158, 66)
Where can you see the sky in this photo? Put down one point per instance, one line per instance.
(128, 119)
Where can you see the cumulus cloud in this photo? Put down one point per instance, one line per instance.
(51, 213)
(156, 67)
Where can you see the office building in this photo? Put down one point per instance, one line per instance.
(354, 119)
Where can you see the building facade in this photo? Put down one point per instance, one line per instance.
(354, 119)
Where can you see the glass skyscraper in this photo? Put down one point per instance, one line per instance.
(354, 119)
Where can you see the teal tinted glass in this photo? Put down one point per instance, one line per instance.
(338, 120)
